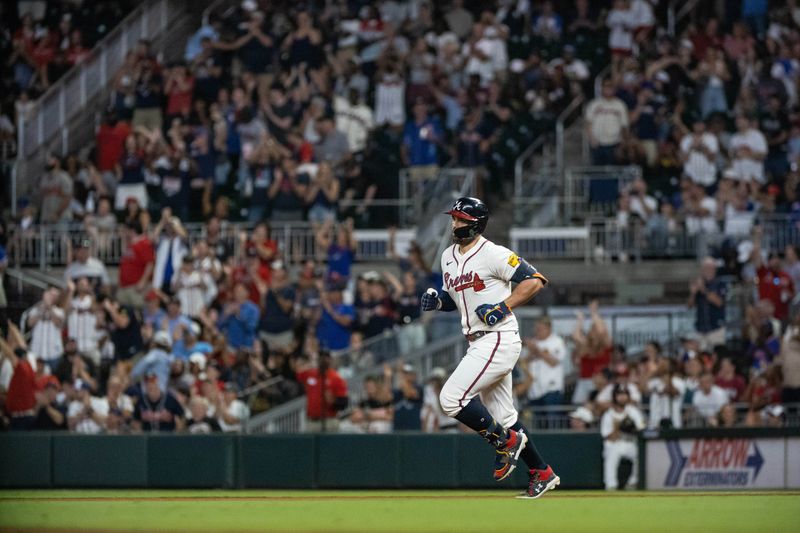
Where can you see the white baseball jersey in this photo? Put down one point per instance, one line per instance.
(46, 336)
(82, 323)
(481, 276)
(196, 289)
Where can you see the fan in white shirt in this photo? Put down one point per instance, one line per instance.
(619, 426)
(82, 319)
(87, 414)
(666, 396)
(748, 148)
(195, 288)
(232, 413)
(46, 320)
(699, 151)
(708, 399)
(546, 353)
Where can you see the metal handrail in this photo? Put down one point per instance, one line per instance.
(562, 118)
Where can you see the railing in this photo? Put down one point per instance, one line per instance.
(556, 417)
(61, 114)
(538, 173)
(568, 115)
(593, 191)
(289, 417)
(47, 246)
(424, 199)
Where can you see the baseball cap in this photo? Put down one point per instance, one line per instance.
(161, 338)
(193, 328)
(151, 376)
(408, 368)
(151, 295)
(582, 413)
(438, 372)
(199, 359)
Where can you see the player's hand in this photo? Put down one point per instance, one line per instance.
(492, 314)
(431, 301)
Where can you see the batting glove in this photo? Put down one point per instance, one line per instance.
(431, 301)
(492, 314)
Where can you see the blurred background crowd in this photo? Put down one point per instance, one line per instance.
(307, 113)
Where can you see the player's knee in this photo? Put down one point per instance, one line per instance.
(449, 402)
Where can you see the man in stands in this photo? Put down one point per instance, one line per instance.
(135, 266)
(326, 396)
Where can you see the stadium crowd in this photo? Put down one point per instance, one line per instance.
(272, 117)
(276, 113)
(711, 115)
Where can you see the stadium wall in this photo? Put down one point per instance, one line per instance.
(411, 460)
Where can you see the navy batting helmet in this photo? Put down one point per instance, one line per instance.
(474, 212)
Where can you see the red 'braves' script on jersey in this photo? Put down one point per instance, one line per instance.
(470, 280)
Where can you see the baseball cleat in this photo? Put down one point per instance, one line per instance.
(506, 457)
(540, 482)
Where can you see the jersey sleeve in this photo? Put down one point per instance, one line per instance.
(508, 266)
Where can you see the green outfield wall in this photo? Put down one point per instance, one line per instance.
(408, 460)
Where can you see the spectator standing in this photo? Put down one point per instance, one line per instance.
(774, 284)
(708, 399)
(46, 320)
(421, 137)
(110, 143)
(21, 394)
(333, 329)
(135, 266)
(592, 352)
(129, 172)
(707, 296)
(546, 354)
(82, 318)
(239, 319)
(340, 249)
(88, 267)
(277, 304)
(157, 361)
(353, 118)
(699, 151)
(748, 148)
(666, 390)
(619, 426)
(157, 409)
(170, 251)
(606, 125)
(323, 195)
(326, 394)
(407, 399)
(55, 190)
(333, 146)
(790, 362)
(195, 288)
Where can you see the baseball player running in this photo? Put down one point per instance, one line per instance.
(477, 281)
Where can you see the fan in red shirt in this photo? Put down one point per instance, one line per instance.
(774, 284)
(727, 380)
(135, 266)
(21, 395)
(110, 142)
(324, 397)
(592, 351)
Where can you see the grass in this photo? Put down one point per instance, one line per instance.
(395, 511)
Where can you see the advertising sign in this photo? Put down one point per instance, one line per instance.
(712, 464)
